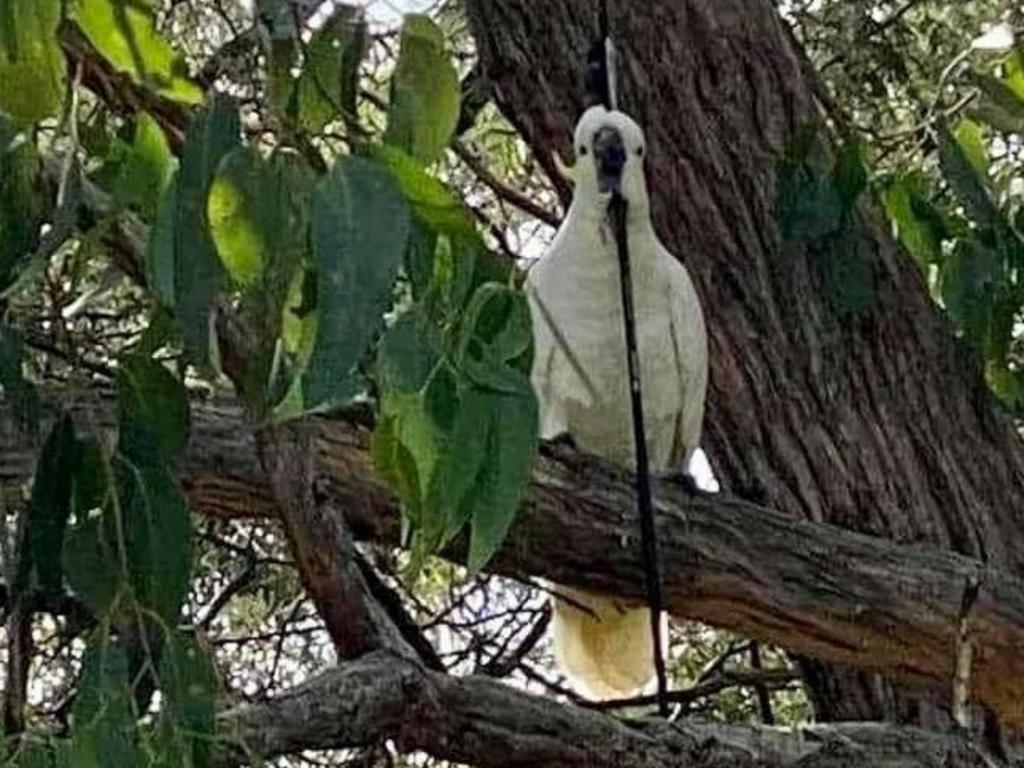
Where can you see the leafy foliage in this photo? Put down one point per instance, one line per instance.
(32, 69)
(116, 528)
(360, 227)
(328, 81)
(18, 391)
(945, 163)
(21, 210)
(48, 513)
(137, 173)
(424, 92)
(124, 31)
(198, 274)
(367, 279)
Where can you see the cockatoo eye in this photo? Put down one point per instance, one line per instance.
(639, 151)
(583, 150)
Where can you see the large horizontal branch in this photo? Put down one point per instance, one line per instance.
(812, 588)
(482, 722)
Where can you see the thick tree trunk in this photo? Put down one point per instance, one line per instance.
(877, 420)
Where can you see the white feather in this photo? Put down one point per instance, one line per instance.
(581, 378)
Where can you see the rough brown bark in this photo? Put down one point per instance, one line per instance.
(485, 723)
(826, 592)
(321, 543)
(876, 421)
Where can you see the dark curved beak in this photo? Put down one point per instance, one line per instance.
(610, 159)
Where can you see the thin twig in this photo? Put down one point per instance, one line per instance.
(241, 580)
(512, 196)
(502, 666)
(770, 678)
(764, 700)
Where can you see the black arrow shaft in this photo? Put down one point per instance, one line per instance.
(618, 209)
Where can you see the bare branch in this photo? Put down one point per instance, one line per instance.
(500, 188)
(481, 722)
(760, 679)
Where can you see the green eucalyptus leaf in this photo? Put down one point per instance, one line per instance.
(124, 32)
(424, 92)
(454, 489)
(259, 216)
(441, 397)
(18, 392)
(360, 228)
(160, 249)
(103, 723)
(32, 65)
(198, 274)
(146, 169)
(258, 213)
(91, 555)
(971, 279)
(851, 174)
(21, 205)
(188, 682)
(969, 186)
(299, 321)
(49, 510)
(496, 335)
(409, 353)
(445, 249)
(971, 138)
(235, 209)
(153, 412)
(1001, 104)
(432, 204)
(157, 538)
(1007, 383)
(1013, 72)
(510, 451)
(411, 450)
(299, 318)
(282, 85)
(160, 333)
(419, 259)
(90, 561)
(394, 462)
(324, 88)
(329, 83)
(916, 222)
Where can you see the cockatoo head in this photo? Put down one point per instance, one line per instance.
(610, 150)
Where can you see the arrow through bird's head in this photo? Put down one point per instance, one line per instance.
(610, 151)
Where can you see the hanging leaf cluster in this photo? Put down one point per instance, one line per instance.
(113, 530)
(309, 276)
(965, 229)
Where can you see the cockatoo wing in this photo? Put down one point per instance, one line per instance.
(559, 377)
(690, 353)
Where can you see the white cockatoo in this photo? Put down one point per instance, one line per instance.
(581, 378)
